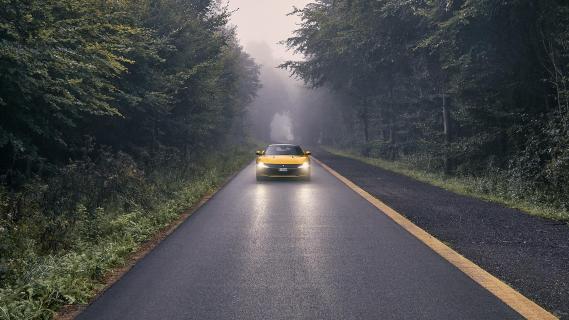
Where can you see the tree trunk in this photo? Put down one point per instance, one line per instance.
(365, 121)
(391, 114)
(447, 133)
(446, 120)
(391, 135)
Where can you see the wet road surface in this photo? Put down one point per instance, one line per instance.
(293, 250)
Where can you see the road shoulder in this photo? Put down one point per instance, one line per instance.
(69, 312)
(528, 253)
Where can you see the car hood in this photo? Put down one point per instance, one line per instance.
(283, 159)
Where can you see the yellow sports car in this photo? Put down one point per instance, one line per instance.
(283, 160)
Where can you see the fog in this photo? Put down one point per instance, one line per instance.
(281, 128)
(283, 104)
(266, 21)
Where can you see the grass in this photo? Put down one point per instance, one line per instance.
(44, 283)
(484, 188)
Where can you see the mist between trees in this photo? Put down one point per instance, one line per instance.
(467, 87)
(285, 110)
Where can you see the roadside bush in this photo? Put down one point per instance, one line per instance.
(536, 178)
(52, 213)
(424, 155)
(541, 167)
(59, 237)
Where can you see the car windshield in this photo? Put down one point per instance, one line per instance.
(280, 150)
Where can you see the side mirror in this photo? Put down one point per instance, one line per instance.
(307, 153)
(259, 152)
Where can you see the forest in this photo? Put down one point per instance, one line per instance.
(467, 88)
(118, 115)
(113, 118)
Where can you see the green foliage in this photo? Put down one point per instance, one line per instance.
(108, 110)
(496, 186)
(58, 62)
(38, 277)
(140, 76)
(465, 87)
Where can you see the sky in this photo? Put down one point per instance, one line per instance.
(266, 21)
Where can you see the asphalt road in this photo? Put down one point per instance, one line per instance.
(293, 250)
(529, 253)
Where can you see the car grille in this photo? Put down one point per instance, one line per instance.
(288, 166)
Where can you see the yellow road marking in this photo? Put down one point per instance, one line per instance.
(512, 298)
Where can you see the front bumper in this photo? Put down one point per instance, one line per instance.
(283, 171)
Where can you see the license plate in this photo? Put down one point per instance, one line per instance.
(283, 169)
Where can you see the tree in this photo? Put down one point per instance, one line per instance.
(452, 80)
(140, 76)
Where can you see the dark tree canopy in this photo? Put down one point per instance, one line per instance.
(140, 76)
(115, 116)
(467, 86)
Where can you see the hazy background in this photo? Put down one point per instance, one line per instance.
(261, 25)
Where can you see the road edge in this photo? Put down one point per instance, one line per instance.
(69, 312)
(515, 300)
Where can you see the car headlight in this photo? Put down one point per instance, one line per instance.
(305, 165)
(261, 165)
